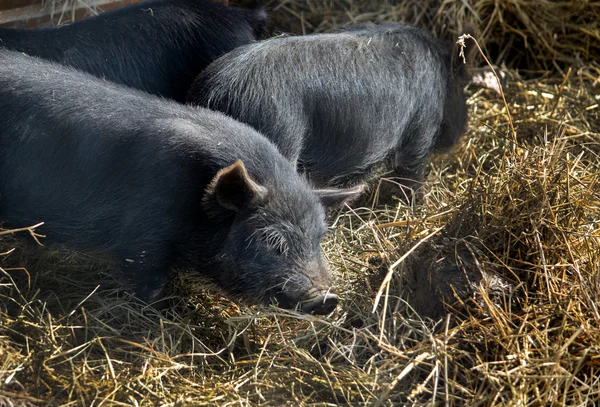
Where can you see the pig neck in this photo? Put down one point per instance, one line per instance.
(203, 244)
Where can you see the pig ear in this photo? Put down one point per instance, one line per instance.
(334, 197)
(233, 189)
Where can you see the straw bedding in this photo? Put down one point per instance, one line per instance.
(485, 293)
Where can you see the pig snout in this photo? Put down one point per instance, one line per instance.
(300, 293)
(322, 304)
(309, 290)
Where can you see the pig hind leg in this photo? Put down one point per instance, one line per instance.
(407, 175)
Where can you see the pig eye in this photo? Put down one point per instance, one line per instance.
(273, 239)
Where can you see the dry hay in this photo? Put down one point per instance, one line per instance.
(508, 232)
(65, 11)
(532, 35)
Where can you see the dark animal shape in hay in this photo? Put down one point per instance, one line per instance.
(158, 46)
(155, 183)
(339, 105)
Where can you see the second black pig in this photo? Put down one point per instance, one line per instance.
(339, 105)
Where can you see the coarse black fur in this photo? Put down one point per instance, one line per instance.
(158, 46)
(153, 183)
(338, 105)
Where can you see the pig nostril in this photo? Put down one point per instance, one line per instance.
(322, 304)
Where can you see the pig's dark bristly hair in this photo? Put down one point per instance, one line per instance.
(340, 104)
(158, 46)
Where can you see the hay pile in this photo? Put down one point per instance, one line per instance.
(508, 232)
(533, 35)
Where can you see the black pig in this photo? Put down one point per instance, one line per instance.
(154, 183)
(158, 46)
(339, 105)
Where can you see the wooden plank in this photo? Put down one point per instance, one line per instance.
(8, 4)
(37, 15)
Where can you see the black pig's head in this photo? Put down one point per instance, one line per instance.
(271, 248)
